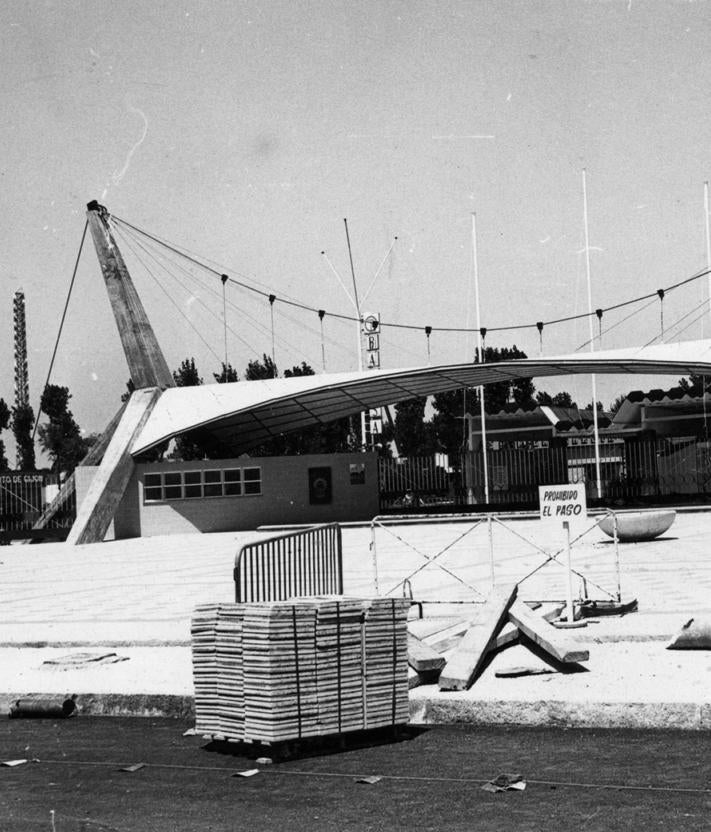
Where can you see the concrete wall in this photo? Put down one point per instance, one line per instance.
(285, 497)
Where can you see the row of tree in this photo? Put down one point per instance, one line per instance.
(59, 436)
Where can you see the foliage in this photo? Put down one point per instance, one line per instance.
(61, 437)
(303, 370)
(562, 399)
(227, 374)
(333, 437)
(448, 421)
(187, 375)
(695, 384)
(130, 387)
(258, 370)
(4, 424)
(496, 395)
(23, 420)
(412, 435)
(190, 445)
(617, 404)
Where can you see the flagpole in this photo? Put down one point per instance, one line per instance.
(592, 338)
(481, 358)
(708, 238)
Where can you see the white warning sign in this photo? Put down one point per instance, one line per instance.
(563, 503)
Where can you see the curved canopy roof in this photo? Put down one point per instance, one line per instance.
(243, 414)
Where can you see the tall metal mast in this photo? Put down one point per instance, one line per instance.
(22, 386)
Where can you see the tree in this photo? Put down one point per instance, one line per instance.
(617, 403)
(190, 445)
(4, 424)
(130, 387)
(496, 395)
(331, 437)
(61, 437)
(303, 370)
(562, 399)
(227, 375)
(23, 420)
(413, 436)
(589, 406)
(448, 422)
(258, 370)
(187, 375)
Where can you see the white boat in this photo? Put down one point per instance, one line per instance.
(638, 525)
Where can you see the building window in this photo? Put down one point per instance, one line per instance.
(196, 485)
(357, 472)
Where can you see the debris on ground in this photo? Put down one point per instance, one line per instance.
(134, 767)
(369, 781)
(39, 705)
(12, 763)
(505, 783)
(694, 635)
(515, 672)
(248, 773)
(75, 660)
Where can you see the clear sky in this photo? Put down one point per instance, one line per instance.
(247, 132)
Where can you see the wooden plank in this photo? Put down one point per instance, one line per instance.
(466, 661)
(107, 488)
(421, 656)
(550, 640)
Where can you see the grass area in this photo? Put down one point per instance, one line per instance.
(596, 780)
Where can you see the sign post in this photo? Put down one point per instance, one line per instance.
(564, 508)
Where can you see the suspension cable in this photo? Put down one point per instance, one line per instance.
(696, 276)
(61, 325)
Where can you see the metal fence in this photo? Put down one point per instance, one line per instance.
(632, 471)
(309, 562)
(425, 478)
(25, 506)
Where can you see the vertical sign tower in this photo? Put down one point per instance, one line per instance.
(22, 386)
(371, 335)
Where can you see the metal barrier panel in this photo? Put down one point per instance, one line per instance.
(308, 562)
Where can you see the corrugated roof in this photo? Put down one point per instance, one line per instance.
(244, 414)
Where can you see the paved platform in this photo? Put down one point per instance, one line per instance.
(134, 599)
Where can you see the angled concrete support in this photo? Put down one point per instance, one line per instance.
(146, 363)
(95, 513)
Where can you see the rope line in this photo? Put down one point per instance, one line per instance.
(61, 325)
(172, 300)
(299, 305)
(618, 323)
(217, 294)
(276, 772)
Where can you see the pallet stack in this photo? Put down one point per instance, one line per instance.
(204, 648)
(272, 672)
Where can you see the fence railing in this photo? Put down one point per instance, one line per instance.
(632, 470)
(422, 476)
(308, 562)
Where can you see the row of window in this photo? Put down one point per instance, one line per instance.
(187, 485)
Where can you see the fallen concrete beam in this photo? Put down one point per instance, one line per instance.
(544, 635)
(421, 656)
(467, 660)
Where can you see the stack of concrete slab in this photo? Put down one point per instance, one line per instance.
(277, 671)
